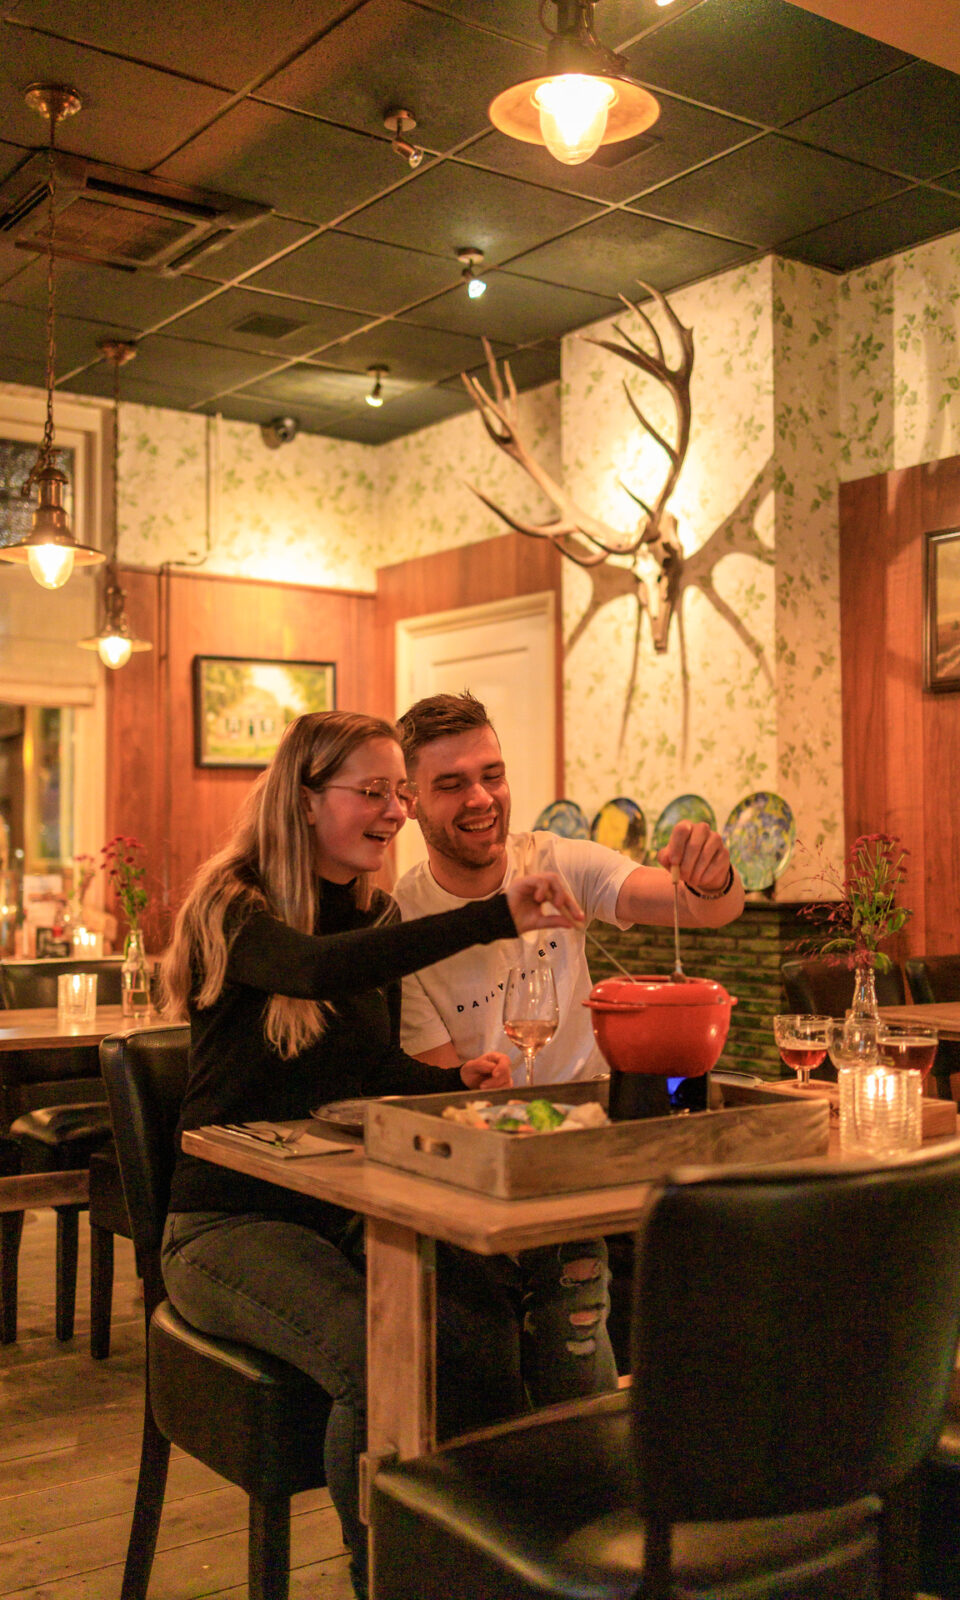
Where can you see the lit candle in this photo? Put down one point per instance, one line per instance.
(880, 1110)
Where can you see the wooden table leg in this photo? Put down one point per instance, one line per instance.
(401, 1341)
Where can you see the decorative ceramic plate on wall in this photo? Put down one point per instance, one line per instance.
(760, 833)
(564, 817)
(621, 825)
(686, 808)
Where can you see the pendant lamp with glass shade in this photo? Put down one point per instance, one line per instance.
(113, 642)
(584, 99)
(49, 549)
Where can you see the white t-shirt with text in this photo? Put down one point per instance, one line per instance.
(461, 998)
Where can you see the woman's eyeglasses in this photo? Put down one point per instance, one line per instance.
(379, 791)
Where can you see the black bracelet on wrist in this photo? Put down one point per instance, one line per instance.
(713, 894)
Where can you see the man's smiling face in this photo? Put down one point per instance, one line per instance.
(463, 799)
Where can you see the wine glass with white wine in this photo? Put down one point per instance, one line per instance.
(530, 1010)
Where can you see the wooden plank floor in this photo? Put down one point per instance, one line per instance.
(69, 1454)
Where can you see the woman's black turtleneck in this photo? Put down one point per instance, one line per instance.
(355, 961)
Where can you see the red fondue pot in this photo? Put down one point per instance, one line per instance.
(654, 1026)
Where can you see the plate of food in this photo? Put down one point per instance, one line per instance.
(621, 825)
(525, 1117)
(564, 817)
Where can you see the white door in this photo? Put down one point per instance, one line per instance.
(505, 655)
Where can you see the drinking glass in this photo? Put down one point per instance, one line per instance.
(852, 1041)
(530, 1010)
(76, 997)
(909, 1044)
(802, 1042)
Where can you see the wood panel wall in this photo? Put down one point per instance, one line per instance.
(901, 746)
(472, 575)
(179, 811)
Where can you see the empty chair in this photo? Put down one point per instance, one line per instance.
(793, 1343)
(257, 1421)
(826, 990)
(933, 979)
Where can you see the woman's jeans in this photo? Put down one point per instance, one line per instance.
(284, 1288)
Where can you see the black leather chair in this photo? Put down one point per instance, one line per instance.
(793, 1343)
(940, 1508)
(254, 1419)
(933, 980)
(51, 1102)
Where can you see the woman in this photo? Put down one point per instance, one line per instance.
(287, 963)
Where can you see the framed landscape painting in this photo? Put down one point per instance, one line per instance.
(941, 579)
(241, 706)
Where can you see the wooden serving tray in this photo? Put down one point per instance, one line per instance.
(938, 1117)
(412, 1134)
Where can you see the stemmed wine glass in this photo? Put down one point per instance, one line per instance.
(802, 1042)
(530, 1010)
(852, 1041)
(909, 1045)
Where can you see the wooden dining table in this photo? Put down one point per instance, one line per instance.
(944, 1016)
(40, 1028)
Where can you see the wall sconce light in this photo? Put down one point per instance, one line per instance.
(400, 122)
(375, 398)
(471, 258)
(49, 549)
(113, 642)
(584, 99)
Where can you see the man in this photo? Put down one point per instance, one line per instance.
(453, 1010)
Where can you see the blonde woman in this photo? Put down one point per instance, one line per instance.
(288, 964)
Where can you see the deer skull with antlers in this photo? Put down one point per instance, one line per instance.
(579, 536)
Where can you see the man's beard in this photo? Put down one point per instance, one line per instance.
(456, 847)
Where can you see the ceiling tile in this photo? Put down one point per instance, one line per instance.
(250, 247)
(895, 225)
(340, 269)
(247, 408)
(515, 19)
(221, 44)
(414, 355)
(131, 116)
(244, 320)
(539, 363)
(444, 73)
(23, 336)
(11, 156)
(515, 310)
(306, 387)
(137, 299)
(768, 191)
(608, 256)
(908, 122)
(761, 59)
(196, 370)
(417, 410)
(949, 180)
(305, 168)
(682, 137)
(453, 205)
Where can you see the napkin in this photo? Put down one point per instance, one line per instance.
(306, 1144)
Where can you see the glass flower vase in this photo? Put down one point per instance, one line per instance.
(863, 1007)
(135, 978)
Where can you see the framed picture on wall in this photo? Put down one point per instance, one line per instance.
(241, 706)
(941, 582)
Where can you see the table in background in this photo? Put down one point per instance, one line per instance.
(40, 1028)
(944, 1015)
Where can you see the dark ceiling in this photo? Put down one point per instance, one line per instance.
(778, 130)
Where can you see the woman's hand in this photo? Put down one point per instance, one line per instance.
(489, 1071)
(542, 900)
(701, 855)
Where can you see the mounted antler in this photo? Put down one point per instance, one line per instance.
(579, 536)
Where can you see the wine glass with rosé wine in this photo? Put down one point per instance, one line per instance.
(530, 1010)
(802, 1042)
(909, 1044)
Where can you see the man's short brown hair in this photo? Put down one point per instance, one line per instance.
(436, 717)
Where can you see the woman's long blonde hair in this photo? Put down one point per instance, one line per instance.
(269, 863)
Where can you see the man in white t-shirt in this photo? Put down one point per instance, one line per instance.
(453, 1010)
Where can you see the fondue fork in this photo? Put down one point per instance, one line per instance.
(677, 975)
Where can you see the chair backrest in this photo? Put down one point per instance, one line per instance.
(826, 990)
(26, 984)
(145, 1073)
(933, 979)
(794, 1335)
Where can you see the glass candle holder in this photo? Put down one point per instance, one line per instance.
(77, 997)
(880, 1112)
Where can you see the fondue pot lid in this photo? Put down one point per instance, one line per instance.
(625, 993)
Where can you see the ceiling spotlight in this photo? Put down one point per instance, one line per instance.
(114, 643)
(400, 122)
(585, 98)
(375, 398)
(50, 549)
(471, 258)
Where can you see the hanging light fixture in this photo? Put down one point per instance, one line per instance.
(49, 549)
(471, 258)
(375, 397)
(584, 99)
(114, 642)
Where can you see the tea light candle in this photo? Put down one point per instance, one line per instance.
(880, 1110)
(87, 942)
